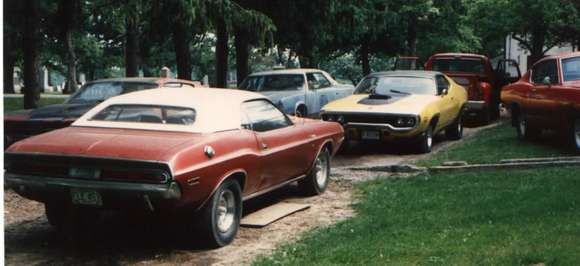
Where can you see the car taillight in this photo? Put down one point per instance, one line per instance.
(157, 176)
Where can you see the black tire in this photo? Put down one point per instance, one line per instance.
(455, 130)
(524, 130)
(575, 135)
(301, 111)
(485, 116)
(217, 228)
(316, 182)
(425, 142)
(56, 214)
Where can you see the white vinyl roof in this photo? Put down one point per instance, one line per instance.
(294, 71)
(216, 109)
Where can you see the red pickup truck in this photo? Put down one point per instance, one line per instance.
(476, 74)
(547, 97)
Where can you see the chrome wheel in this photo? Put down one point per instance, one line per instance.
(577, 132)
(225, 211)
(321, 169)
(522, 126)
(429, 137)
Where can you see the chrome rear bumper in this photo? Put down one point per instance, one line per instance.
(19, 182)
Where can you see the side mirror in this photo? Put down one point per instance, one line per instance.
(547, 81)
(443, 91)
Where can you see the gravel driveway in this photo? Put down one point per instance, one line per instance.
(30, 240)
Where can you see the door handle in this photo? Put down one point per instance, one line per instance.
(313, 136)
(264, 146)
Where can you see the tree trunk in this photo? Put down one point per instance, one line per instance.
(364, 56)
(71, 62)
(30, 51)
(181, 43)
(538, 42)
(9, 62)
(242, 43)
(222, 55)
(131, 48)
(412, 35)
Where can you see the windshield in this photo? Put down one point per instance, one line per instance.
(147, 114)
(396, 85)
(273, 83)
(100, 91)
(459, 65)
(571, 68)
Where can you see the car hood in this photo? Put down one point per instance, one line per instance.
(107, 142)
(400, 104)
(60, 111)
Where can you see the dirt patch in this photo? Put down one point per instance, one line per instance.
(30, 240)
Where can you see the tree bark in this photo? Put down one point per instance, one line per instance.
(9, 62)
(181, 43)
(411, 35)
(222, 54)
(131, 48)
(365, 61)
(538, 42)
(71, 62)
(242, 44)
(30, 51)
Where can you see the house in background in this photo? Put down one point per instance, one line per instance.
(513, 50)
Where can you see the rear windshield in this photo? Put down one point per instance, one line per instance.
(147, 114)
(459, 65)
(396, 85)
(282, 82)
(98, 92)
(571, 68)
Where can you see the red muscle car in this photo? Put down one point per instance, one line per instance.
(193, 152)
(475, 73)
(22, 124)
(547, 97)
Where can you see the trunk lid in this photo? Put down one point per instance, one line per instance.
(107, 142)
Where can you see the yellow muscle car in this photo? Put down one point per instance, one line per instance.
(401, 105)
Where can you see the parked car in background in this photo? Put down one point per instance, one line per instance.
(388, 106)
(547, 97)
(475, 73)
(22, 124)
(300, 92)
(196, 154)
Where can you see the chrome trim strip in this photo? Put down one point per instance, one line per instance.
(165, 191)
(382, 126)
(270, 189)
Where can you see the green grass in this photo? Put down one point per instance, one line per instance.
(14, 104)
(493, 144)
(518, 217)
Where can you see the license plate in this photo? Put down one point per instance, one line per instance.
(370, 135)
(86, 197)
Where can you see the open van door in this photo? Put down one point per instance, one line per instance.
(507, 72)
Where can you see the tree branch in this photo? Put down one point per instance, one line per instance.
(522, 42)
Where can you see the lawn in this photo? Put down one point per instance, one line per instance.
(518, 217)
(514, 217)
(496, 143)
(14, 104)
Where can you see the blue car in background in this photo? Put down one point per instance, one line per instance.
(299, 92)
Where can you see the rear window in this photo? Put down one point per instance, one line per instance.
(459, 65)
(283, 82)
(100, 91)
(571, 68)
(147, 114)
